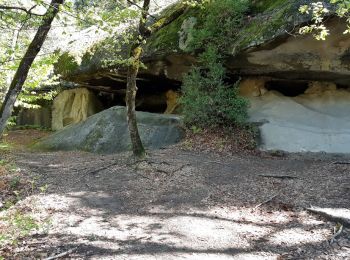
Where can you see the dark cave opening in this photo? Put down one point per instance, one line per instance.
(151, 94)
(288, 88)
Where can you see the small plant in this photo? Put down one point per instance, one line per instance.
(11, 122)
(196, 130)
(44, 188)
(15, 182)
(32, 185)
(5, 146)
(30, 127)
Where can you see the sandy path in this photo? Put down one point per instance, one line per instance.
(184, 205)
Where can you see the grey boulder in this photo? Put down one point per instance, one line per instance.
(107, 132)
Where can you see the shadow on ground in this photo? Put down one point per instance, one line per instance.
(179, 204)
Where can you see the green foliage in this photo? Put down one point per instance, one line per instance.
(318, 11)
(259, 6)
(11, 122)
(219, 20)
(207, 100)
(17, 225)
(14, 182)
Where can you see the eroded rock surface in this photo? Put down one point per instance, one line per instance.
(300, 57)
(73, 106)
(316, 121)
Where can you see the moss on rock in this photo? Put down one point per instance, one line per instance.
(265, 20)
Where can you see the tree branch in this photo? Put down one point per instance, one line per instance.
(164, 21)
(140, 7)
(17, 8)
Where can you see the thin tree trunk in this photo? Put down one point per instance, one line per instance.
(131, 88)
(135, 55)
(27, 61)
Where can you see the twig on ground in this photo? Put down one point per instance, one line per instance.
(61, 254)
(278, 176)
(181, 168)
(143, 176)
(93, 172)
(266, 201)
(102, 168)
(338, 162)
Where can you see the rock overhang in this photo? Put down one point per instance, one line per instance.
(267, 46)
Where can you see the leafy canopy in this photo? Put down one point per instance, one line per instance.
(318, 11)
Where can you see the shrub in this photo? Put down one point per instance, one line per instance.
(207, 100)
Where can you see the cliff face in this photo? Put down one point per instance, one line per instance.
(278, 66)
(266, 45)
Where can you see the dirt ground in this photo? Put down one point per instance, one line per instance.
(180, 204)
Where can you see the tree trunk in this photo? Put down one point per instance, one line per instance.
(135, 55)
(131, 88)
(27, 61)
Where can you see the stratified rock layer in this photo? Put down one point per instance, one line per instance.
(107, 132)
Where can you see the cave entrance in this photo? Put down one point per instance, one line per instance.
(152, 95)
(288, 88)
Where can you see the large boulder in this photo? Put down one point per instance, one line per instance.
(107, 132)
(73, 106)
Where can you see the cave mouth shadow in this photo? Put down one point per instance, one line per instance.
(151, 94)
(289, 88)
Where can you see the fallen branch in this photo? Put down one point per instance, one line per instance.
(321, 212)
(181, 168)
(62, 254)
(341, 162)
(279, 176)
(92, 172)
(266, 201)
(144, 176)
(95, 171)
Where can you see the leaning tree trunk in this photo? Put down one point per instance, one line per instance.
(135, 57)
(26, 62)
(131, 88)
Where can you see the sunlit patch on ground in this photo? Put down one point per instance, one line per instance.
(179, 204)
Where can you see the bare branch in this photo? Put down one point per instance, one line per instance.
(140, 7)
(17, 8)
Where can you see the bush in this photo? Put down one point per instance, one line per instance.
(207, 100)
